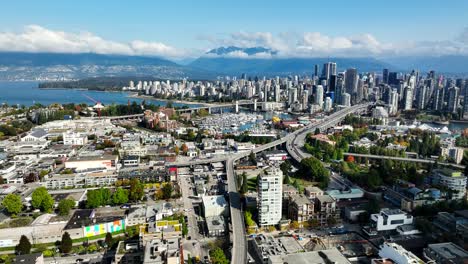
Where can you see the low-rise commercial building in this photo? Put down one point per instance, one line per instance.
(390, 219)
(83, 163)
(352, 193)
(74, 138)
(216, 226)
(215, 205)
(445, 253)
(266, 246)
(312, 257)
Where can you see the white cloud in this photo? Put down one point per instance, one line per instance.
(35, 38)
(316, 44)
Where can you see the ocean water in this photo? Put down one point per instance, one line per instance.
(27, 93)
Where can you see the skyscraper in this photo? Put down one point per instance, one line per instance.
(394, 98)
(328, 104)
(319, 95)
(453, 99)
(385, 76)
(351, 81)
(305, 99)
(393, 78)
(465, 102)
(421, 98)
(270, 191)
(332, 83)
(339, 89)
(277, 93)
(316, 70)
(329, 69)
(408, 99)
(346, 99)
(292, 95)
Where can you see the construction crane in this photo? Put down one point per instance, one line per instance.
(98, 106)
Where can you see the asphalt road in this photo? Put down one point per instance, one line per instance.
(239, 250)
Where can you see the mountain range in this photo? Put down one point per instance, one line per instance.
(216, 62)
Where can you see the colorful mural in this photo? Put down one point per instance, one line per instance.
(99, 229)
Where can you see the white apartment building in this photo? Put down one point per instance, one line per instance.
(398, 254)
(78, 181)
(453, 180)
(74, 139)
(390, 219)
(452, 152)
(132, 148)
(270, 189)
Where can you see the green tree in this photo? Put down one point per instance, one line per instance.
(252, 158)
(245, 186)
(176, 150)
(65, 206)
(109, 239)
(5, 258)
(41, 199)
(218, 257)
(106, 196)
(312, 169)
(93, 198)
(317, 131)
(24, 246)
(92, 248)
(285, 167)
(167, 191)
(248, 218)
(66, 243)
(136, 190)
(120, 196)
(12, 203)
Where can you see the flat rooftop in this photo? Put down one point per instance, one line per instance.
(449, 251)
(312, 257)
(92, 158)
(87, 217)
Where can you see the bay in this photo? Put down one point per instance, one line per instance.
(28, 93)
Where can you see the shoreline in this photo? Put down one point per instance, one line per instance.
(149, 97)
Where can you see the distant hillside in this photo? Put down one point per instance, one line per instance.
(280, 66)
(77, 59)
(64, 66)
(447, 64)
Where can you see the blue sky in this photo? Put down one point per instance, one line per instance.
(188, 28)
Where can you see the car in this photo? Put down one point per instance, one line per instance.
(189, 238)
(79, 260)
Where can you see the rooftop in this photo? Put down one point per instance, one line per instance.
(214, 201)
(92, 158)
(313, 257)
(449, 251)
(87, 217)
(325, 199)
(300, 199)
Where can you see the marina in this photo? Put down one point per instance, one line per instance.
(233, 123)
